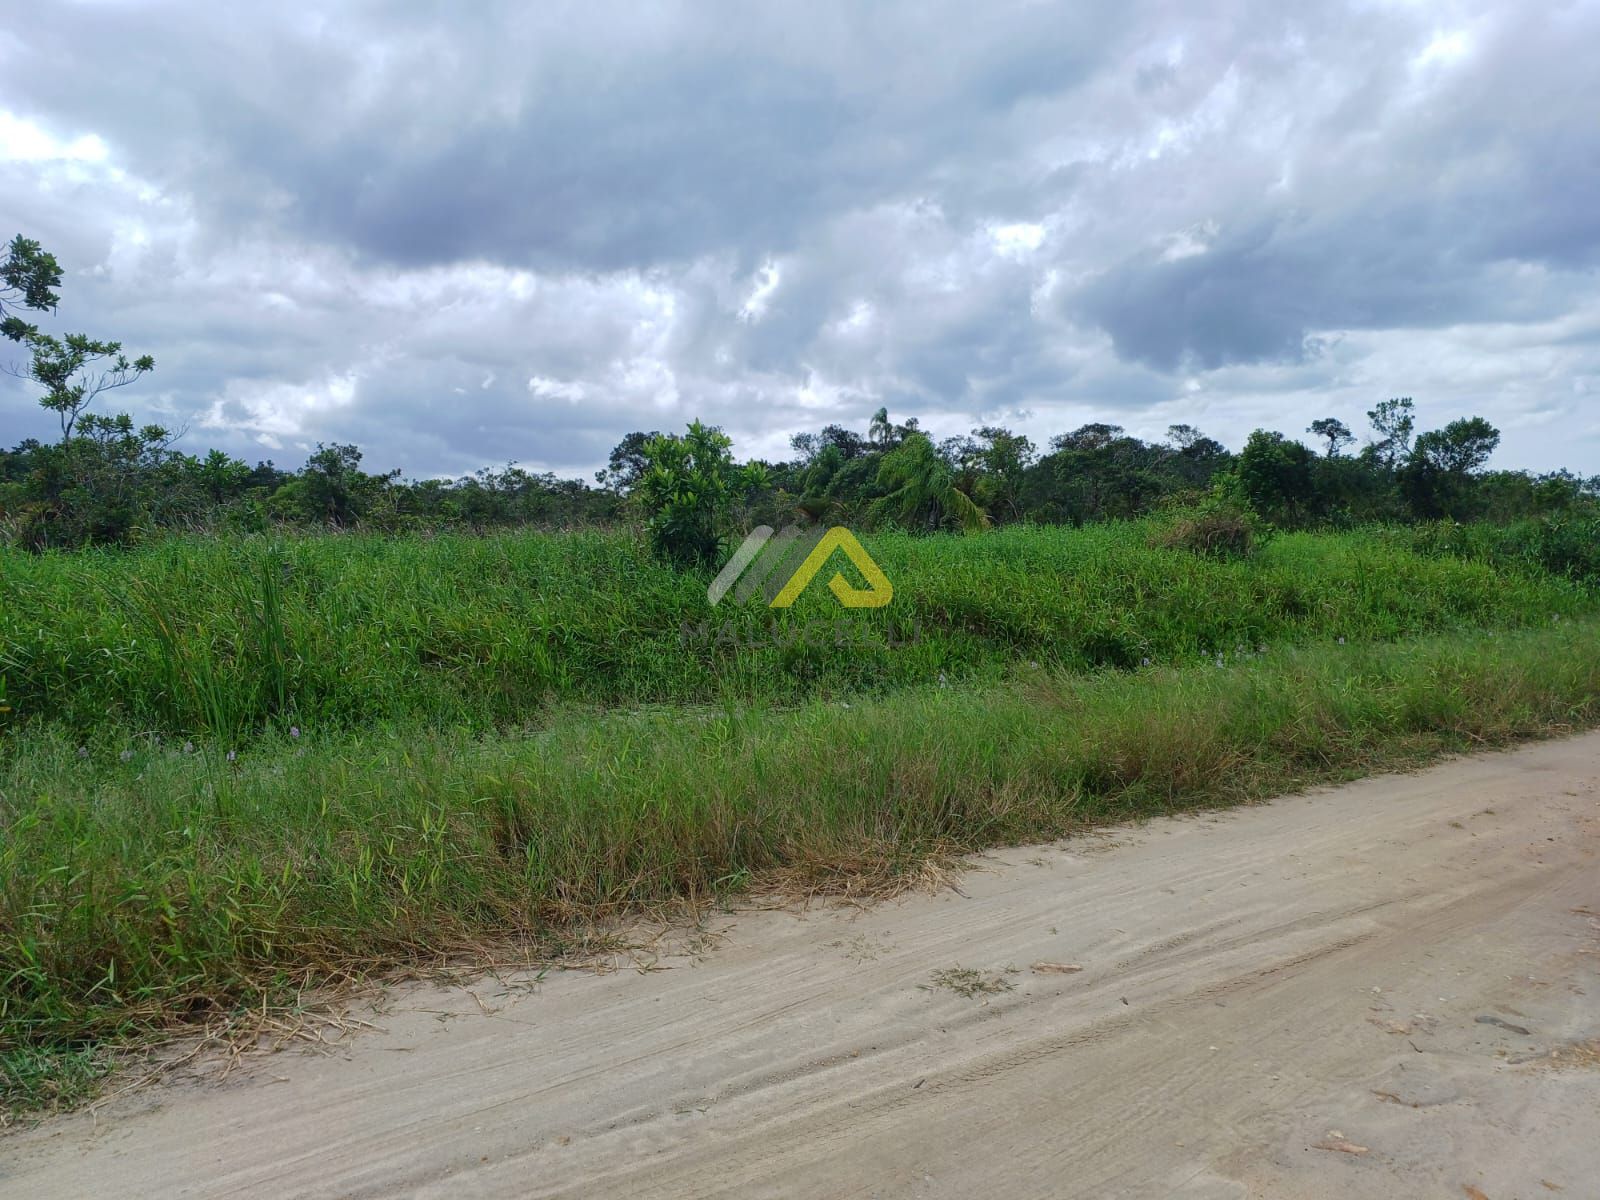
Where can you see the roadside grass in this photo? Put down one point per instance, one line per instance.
(144, 888)
(233, 638)
(51, 1079)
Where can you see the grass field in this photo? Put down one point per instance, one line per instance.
(231, 638)
(380, 752)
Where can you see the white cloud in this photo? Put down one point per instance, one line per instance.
(24, 141)
(766, 282)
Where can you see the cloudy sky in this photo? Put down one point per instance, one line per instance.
(462, 234)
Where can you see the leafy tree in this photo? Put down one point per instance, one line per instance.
(1002, 459)
(817, 493)
(1436, 477)
(1184, 436)
(222, 477)
(74, 370)
(1392, 424)
(848, 442)
(28, 278)
(111, 484)
(883, 434)
(1275, 475)
(332, 489)
(921, 489)
(688, 490)
(1335, 431)
(1094, 436)
(1460, 448)
(1097, 471)
(1198, 459)
(628, 461)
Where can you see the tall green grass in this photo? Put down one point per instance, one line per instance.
(137, 892)
(231, 768)
(231, 638)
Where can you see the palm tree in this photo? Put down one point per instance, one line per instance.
(922, 489)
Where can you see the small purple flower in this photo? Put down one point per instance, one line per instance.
(1144, 662)
(126, 756)
(83, 752)
(188, 747)
(294, 731)
(232, 756)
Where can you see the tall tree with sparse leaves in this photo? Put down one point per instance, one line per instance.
(73, 369)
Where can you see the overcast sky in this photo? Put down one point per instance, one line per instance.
(458, 234)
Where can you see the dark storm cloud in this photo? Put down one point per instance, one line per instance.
(459, 235)
(561, 135)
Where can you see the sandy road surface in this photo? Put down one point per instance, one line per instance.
(1378, 991)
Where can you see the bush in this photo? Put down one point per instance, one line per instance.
(688, 490)
(1215, 527)
(1563, 545)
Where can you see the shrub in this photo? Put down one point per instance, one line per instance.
(1216, 527)
(688, 489)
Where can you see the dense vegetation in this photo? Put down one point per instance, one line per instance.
(233, 638)
(110, 483)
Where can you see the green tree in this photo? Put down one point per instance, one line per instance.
(1098, 471)
(628, 461)
(1460, 448)
(1184, 436)
(688, 490)
(222, 477)
(879, 431)
(1336, 432)
(1002, 459)
(1275, 475)
(335, 489)
(1392, 424)
(921, 489)
(882, 434)
(1196, 459)
(111, 484)
(1436, 477)
(75, 369)
(28, 278)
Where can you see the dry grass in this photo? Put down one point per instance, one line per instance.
(971, 983)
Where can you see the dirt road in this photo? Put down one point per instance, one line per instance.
(1389, 989)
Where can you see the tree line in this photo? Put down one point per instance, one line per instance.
(108, 482)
